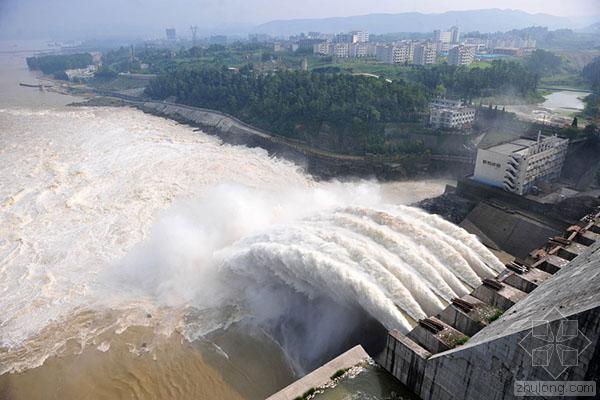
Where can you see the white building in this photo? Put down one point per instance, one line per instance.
(442, 36)
(454, 34)
(450, 114)
(461, 55)
(403, 53)
(400, 53)
(341, 50)
(81, 73)
(425, 53)
(359, 50)
(323, 48)
(360, 36)
(518, 165)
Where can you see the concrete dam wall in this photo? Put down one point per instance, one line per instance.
(547, 327)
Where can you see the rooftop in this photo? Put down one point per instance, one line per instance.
(521, 146)
(511, 148)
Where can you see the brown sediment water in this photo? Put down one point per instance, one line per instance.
(137, 364)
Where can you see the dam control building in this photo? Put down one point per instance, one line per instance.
(516, 166)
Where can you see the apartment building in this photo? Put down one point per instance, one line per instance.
(518, 165)
(360, 36)
(461, 55)
(399, 53)
(450, 114)
(425, 53)
(442, 36)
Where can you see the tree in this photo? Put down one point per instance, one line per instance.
(354, 109)
(54, 64)
(591, 73)
(543, 62)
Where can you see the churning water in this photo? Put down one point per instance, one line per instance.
(112, 220)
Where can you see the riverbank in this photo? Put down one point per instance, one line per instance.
(319, 163)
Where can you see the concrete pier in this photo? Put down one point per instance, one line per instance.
(322, 375)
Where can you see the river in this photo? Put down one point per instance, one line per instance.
(142, 259)
(565, 102)
(558, 108)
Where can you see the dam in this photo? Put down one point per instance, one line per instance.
(536, 321)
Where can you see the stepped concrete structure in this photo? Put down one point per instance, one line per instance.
(538, 321)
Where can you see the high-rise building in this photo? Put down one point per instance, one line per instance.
(517, 166)
(323, 48)
(425, 53)
(442, 36)
(461, 55)
(360, 36)
(359, 50)
(399, 53)
(341, 50)
(454, 34)
(171, 34)
(343, 38)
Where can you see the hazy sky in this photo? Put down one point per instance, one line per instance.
(40, 15)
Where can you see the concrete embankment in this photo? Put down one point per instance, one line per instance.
(321, 163)
(322, 375)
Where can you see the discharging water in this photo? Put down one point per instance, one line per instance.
(154, 261)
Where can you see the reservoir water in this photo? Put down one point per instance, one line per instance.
(141, 259)
(565, 102)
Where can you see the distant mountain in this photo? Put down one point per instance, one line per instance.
(489, 20)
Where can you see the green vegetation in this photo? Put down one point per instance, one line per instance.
(491, 318)
(307, 394)
(57, 64)
(591, 73)
(458, 342)
(542, 62)
(500, 77)
(341, 112)
(339, 373)
(592, 107)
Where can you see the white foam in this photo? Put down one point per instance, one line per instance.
(83, 230)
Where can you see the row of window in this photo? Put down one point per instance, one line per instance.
(493, 164)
